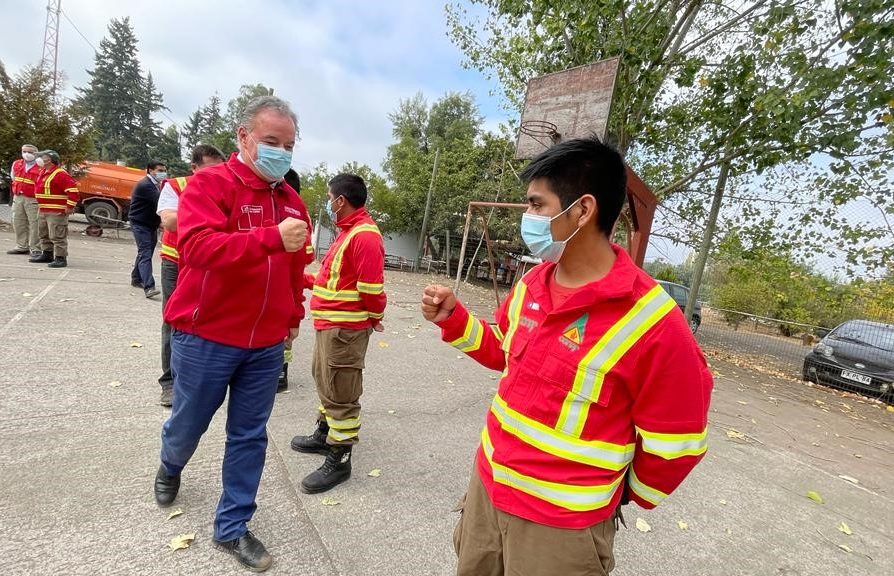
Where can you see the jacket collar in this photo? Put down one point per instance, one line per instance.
(347, 223)
(245, 174)
(617, 284)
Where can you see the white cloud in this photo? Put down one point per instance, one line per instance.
(343, 64)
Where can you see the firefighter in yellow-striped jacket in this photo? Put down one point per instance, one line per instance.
(57, 195)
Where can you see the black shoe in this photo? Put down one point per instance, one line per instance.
(167, 396)
(335, 470)
(249, 551)
(136, 283)
(283, 384)
(18, 251)
(58, 262)
(315, 443)
(36, 253)
(42, 258)
(166, 487)
(152, 292)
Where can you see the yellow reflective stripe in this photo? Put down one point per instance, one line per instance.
(67, 190)
(309, 249)
(59, 206)
(497, 332)
(515, 307)
(335, 268)
(471, 338)
(603, 356)
(647, 493)
(349, 424)
(370, 288)
(23, 180)
(181, 182)
(377, 315)
(569, 496)
(53, 196)
(340, 436)
(286, 356)
(342, 295)
(169, 251)
(670, 446)
(340, 315)
(321, 409)
(592, 452)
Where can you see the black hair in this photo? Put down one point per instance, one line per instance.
(153, 164)
(293, 180)
(584, 166)
(202, 151)
(352, 187)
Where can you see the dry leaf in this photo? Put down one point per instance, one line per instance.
(729, 532)
(642, 525)
(735, 434)
(682, 525)
(181, 541)
(329, 501)
(115, 384)
(383, 344)
(175, 513)
(27, 294)
(846, 548)
(742, 402)
(890, 408)
(813, 495)
(136, 345)
(67, 300)
(858, 455)
(845, 529)
(850, 479)
(375, 473)
(723, 502)
(391, 411)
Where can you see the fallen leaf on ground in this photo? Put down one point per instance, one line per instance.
(391, 411)
(6, 279)
(329, 501)
(383, 344)
(27, 294)
(136, 345)
(682, 525)
(845, 547)
(850, 479)
(175, 513)
(375, 473)
(742, 402)
(67, 300)
(890, 408)
(115, 384)
(411, 336)
(813, 495)
(723, 502)
(181, 541)
(845, 529)
(642, 525)
(858, 455)
(735, 434)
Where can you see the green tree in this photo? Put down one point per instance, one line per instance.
(167, 149)
(207, 125)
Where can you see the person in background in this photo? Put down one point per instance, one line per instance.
(57, 195)
(348, 303)
(243, 244)
(604, 394)
(202, 156)
(144, 223)
(292, 179)
(24, 174)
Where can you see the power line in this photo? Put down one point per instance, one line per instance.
(73, 25)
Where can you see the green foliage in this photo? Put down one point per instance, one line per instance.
(28, 115)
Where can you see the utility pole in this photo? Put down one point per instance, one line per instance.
(431, 187)
(49, 60)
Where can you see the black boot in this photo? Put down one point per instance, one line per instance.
(283, 379)
(42, 258)
(249, 551)
(166, 487)
(315, 443)
(58, 262)
(335, 470)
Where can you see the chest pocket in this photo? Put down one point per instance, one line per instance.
(584, 382)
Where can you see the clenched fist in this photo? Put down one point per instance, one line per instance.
(294, 234)
(438, 302)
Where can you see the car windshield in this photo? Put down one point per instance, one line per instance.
(875, 335)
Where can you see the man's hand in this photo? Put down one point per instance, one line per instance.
(293, 333)
(438, 303)
(294, 234)
(378, 327)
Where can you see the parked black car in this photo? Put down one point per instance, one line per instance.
(680, 294)
(857, 355)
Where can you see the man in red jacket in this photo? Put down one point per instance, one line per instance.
(24, 174)
(243, 244)
(348, 303)
(57, 195)
(604, 393)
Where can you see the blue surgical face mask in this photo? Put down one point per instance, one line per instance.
(332, 215)
(537, 233)
(159, 176)
(272, 162)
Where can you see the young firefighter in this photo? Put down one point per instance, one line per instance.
(348, 303)
(604, 394)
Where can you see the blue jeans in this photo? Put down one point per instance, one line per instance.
(203, 370)
(146, 238)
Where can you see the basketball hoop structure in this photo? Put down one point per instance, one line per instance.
(542, 131)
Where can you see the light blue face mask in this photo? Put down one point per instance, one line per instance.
(332, 215)
(272, 162)
(160, 176)
(537, 233)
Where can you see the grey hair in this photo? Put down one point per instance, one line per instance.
(257, 105)
(30, 146)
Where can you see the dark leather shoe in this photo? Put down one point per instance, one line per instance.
(335, 470)
(59, 262)
(42, 258)
(166, 487)
(136, 283)
(18, 251)
(249, 551)
(315, 443)
(152, 292)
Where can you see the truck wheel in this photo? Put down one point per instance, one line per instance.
(103, 214)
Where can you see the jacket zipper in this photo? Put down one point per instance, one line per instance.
(251, 338)
(195, 312)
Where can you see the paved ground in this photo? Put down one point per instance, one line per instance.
(79, 438)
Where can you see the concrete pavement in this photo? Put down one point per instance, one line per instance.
(79, 439)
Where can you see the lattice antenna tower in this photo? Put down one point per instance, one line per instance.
(49, 61)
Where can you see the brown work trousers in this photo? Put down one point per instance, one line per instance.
(490, 542)
(339, 356)
(53, 227)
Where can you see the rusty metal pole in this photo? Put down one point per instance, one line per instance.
(462, 250)
(490, 258)
(431, 188)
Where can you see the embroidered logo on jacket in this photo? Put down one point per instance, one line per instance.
(573, 335)
(294, 212)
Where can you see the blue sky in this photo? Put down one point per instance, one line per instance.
(344, 64)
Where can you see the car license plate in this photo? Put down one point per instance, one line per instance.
(856, 377)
